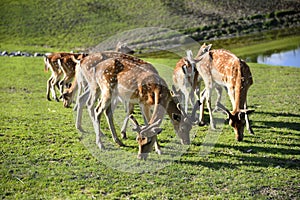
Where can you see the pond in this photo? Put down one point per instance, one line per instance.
(289, 58)
(277, 47)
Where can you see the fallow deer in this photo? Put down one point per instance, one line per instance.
(126, 78)
(185, 80)
(52, 62)
(85, 98)
(68, 94)
(68, 68)
(222, 68)
(59, 64)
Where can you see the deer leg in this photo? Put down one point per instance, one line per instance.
(129, 110)
(192, 98)
(82, 100)
(109, 117)
(219, 96)
(157, 146)
(186, 100)
(105, 106)
(53, 83)
(249, 128)
(49, 82)
(201, 115)
(96, 124)
(208, 101)
(61, 85)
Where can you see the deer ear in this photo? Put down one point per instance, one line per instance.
(189, 55)
(184, 69)
(207, 48)
(248, 112)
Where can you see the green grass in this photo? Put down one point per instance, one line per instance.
(44, 157)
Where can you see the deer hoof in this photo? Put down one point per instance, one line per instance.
(123, 134)
(101, 146)
(120, 143)
(201, 124)
(158, 151)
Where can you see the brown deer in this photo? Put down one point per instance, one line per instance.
(67, 66)
(85, 98)
(52, 62)
(222, 68)
(68, 94)
(127, 78)
(60, 65)
(185, 80)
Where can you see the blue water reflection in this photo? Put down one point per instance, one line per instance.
(288, 58)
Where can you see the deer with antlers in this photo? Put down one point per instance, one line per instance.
(128, 79)
(222, 68)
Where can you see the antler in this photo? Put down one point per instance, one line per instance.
(147, 130)
(222, 107)
(174, 92)
(192, 118)
(137, 127)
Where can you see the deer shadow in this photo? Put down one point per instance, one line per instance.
(275, 124)
(247, 157)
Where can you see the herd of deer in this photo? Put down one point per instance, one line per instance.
(117, 76)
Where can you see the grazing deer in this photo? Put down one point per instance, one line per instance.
(222, 68)
(128, 79)
(85, 98)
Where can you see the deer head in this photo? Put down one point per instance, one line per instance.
(236, 120)
(182, 122)
(203, 49)
(146, 136)
(188, 67)
(67, 97)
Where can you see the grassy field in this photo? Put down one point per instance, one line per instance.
(61, 25)
(44, 157)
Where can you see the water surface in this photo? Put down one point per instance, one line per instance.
(286, 58)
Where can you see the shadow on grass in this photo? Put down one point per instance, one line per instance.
(248, 157)
(274, 124)
(287, 125)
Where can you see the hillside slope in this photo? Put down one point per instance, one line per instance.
(62, 24)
